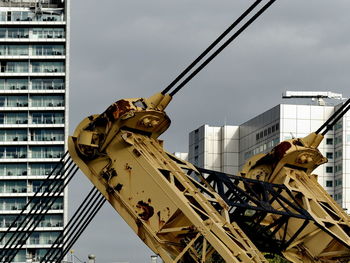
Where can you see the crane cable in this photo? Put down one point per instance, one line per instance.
(217, 41)
(14, 222)
(19, 220)
(32, 223)
(224, 45)
(86, 222)
(69, 233)
(37, 212)
(335, 117)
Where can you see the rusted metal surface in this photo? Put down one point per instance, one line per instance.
(147, 210)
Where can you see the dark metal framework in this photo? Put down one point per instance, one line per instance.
(250, 203)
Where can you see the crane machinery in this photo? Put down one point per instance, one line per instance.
(185, 213)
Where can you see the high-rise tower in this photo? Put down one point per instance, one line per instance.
(34, 51)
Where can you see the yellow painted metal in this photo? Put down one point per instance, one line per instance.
(291, 163)
(119, 151)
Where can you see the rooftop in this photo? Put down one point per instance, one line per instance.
(32, 3)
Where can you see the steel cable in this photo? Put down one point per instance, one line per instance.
(60, 240)
(86, 222)
(31, 213)
(34, 220)
(218, 51)
(335, 117)
(35, 195)
(217, 41)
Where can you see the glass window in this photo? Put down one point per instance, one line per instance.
(2, 50)
(338, 154)
(329, 141)
(47, 118)
(329, 169)
(48, 67)
(13, 169)
(50, 17)
(47, 135)
(338, 125)
(329, 155)
(13, 186)
(338, 168)
(57, 205)
(52, 220)
(48, 50)
(40, 169)
(47, 84)
(47, 151)
(338, 140)
(3, 16)
(338, 182)
(47, 101)
(8, 135)
(13, 118)
(3, 32)
(17, 50)
(47, 185)
(13, 152)
(48, 33)
(329, 183)
(22, 16)
(13, 101)
(15, 84)
(17, 32)
(42, 238)
(16, 67)
(12, 203)
(38, 254)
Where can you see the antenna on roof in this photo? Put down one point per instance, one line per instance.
(314, 95)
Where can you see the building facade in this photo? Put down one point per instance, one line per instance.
(34, 52)
(227, 148)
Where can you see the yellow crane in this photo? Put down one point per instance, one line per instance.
(189, 214)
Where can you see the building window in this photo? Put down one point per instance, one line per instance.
(329, 169)
(338, 182)
(338, 125)
(338, 168)
(338, 154)
(329, 141)
(338, 140)
(329, 155)
(329, 183)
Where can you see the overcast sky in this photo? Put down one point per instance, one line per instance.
(126, 49)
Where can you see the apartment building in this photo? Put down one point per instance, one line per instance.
(34, 81)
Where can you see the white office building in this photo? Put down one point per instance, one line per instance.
(34, 51)
(227, 148)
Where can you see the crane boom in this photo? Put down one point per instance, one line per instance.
(291, 163)
(153, 190)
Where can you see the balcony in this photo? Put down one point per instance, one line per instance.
(32, 3)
